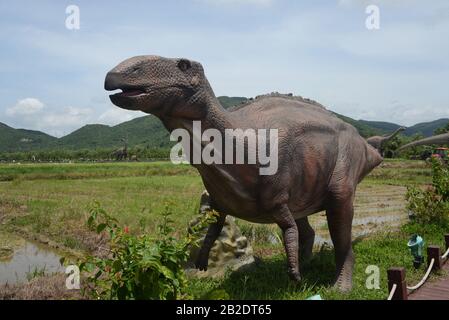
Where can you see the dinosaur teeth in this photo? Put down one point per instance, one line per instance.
(130, 93)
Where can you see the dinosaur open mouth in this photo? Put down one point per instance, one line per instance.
(130, 93)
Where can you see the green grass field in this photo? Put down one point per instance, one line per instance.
(51, 201)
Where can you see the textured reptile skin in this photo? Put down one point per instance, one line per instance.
(321, 158)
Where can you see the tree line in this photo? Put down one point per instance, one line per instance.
(85, 155)
(143, 153)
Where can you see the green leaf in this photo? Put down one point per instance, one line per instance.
(90, 221)
(167, 272)
(101, 227)
(117, 265)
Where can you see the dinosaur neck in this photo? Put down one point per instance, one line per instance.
(391, 136)
(217, 117)
(233, 177)
(214, 115)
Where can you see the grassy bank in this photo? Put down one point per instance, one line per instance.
(268, 279)
(51, 201)
(67, 171)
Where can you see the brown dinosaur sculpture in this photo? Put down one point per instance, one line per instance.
(441, 139)
(321, 158)
(121, 153)
(379, 142)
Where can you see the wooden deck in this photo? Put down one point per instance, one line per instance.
(437, 289)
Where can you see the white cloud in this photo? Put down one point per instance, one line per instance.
(31, 113)
(25, 106)
(411, 114)
(405, 40)
(114, 116)
(364, 3)
(238, 2)
(321, 51)
(69, 117)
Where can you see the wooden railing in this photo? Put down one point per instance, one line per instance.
(397, 285)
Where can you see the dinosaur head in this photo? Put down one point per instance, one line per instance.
(156, 85)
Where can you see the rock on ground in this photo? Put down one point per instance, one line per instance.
(230, 251)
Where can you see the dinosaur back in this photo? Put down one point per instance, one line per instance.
(275, 95)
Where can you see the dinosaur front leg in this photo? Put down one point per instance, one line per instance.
(339, 219)
(212, 234)
(284, 219)
(306, 239)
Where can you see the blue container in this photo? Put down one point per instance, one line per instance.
(416, 246)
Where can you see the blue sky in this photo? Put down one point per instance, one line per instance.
(52, 77)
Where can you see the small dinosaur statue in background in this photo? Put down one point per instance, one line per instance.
(379, 142)
(121, 153)
(321, 159)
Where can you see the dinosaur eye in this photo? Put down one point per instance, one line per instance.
(184, 64)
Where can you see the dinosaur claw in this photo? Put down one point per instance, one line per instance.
(343, 282)
(294, 276)
(201, 264)
(343, 287)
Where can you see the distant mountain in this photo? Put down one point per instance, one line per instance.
(228, 102)
(148, 131)
(380, 125)
(12, 140)
(90, 136)
(426, 128)
(364, 129)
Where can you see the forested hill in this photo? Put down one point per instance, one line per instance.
(149, 132)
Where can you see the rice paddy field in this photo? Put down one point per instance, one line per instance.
(48, 204)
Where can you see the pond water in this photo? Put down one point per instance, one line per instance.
(27, 259)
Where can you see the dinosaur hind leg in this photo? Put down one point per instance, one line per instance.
(339, 217)
(306, 239)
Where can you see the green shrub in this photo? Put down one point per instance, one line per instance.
(140, 266)
(431, 205)
(440, 179)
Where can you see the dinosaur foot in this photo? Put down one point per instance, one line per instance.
(343, 283)
(294, 276)
(201, 263)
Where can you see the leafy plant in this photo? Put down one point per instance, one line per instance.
(440, 179)
(431, 205)
(140, 266)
